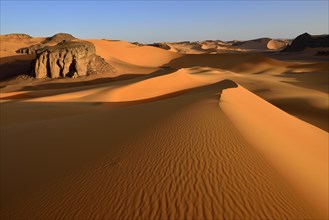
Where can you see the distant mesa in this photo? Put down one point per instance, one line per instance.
(16, 36)
(306, 40)
(69, 59)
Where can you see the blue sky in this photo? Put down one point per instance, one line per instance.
(154, 21)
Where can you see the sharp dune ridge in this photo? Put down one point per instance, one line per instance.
(192, 131)
(184, 186)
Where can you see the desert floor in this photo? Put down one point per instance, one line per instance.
(170, 135)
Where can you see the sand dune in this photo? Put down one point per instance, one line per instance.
(303, 161)
(219, 47)
(130, 53)
(10, 44)
(261, 44)
(257, 44)
(180, 80)
(165, 168)
(294, 84)
(276, 45)
(170, 136)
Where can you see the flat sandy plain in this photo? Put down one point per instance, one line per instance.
(191, 132)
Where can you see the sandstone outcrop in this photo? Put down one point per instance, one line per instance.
(31, 50)
(69, 59)
(58, 38)
(49, 41)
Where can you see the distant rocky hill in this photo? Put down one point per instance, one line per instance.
(306, 40)
(16, 36)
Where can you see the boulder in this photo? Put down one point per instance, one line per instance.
(69, 59)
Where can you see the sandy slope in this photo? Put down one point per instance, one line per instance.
(276, 45)
(130, 53)
(181, 142)
(10, 44)
(179, 146)
(183, 159)
(298, 150)
(300, 88)
(262, 44)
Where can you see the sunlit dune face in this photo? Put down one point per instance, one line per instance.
(188, 130)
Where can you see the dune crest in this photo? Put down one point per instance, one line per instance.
(298, 150)
(181, 130)
(182, 158)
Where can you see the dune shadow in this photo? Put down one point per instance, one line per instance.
(305, 110)
(102, 80)
(45, 149)
(14, 66)
(61, 138)
(311, 80)
(65, 85)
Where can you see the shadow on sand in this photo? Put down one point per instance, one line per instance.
(47, 152)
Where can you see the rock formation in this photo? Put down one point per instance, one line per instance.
(69, 59)
(31, 50)
(160, 45)
(49, 41)
(16, 36)
(57, 38)
(307, 40)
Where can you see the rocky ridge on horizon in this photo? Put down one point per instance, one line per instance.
(306, 40)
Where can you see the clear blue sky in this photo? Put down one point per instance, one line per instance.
(154, 21)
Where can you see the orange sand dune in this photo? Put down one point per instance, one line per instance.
(298, 150)
(276, 45)
(191, 48)
(258, 44)
(170, 136)
(9, 45)
(130, 53)
(183, 158)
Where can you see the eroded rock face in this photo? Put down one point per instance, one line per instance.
(69, 59)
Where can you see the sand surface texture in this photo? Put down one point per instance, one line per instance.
(169, 135)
